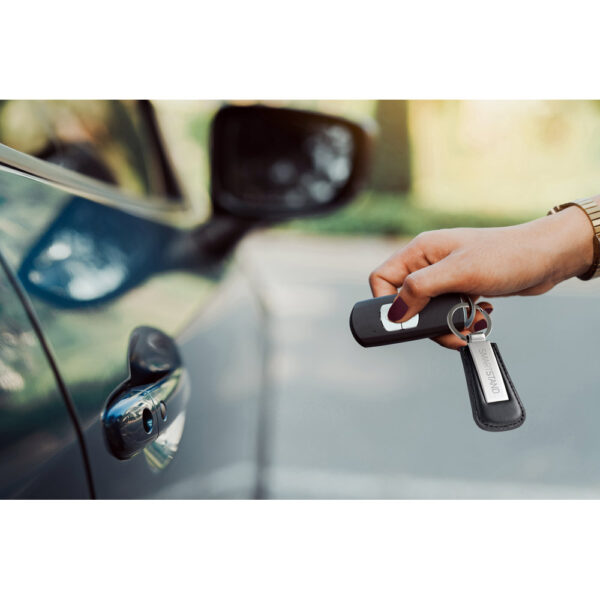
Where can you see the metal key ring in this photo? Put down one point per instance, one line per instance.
(473, 307)
(472, 311)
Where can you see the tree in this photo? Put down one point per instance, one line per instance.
(391, 161)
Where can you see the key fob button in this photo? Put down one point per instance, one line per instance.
(391, 326)
(387, 324)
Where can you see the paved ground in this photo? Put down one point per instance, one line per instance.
(395, 421)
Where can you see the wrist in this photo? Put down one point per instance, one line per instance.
(571, 241)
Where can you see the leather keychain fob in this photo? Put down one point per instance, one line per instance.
(494, 399)
(370, 325)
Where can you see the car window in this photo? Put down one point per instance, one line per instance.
(112, 141)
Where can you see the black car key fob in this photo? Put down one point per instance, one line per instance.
(370, 325)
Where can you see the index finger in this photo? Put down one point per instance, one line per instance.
(388, 277)
(380, 286)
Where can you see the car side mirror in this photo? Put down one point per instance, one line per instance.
(278, 163)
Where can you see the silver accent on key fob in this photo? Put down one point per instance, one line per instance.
(473, 310)
(487, 367)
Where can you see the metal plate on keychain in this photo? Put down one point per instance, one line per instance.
(494, 400)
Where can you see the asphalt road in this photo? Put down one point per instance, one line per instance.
(395, 422)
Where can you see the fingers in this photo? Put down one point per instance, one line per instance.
(453, 342)
(388, 277)
(381, 286)
(424, 250)
(420, 286)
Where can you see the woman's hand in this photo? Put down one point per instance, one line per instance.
(523, 260)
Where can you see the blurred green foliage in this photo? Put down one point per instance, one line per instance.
(375, 213)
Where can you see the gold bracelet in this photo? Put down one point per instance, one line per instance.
(592, 210)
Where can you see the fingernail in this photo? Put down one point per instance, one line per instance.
(488, 309)
(479, 325)
(397, 309)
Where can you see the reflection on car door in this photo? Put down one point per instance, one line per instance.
(215, 322)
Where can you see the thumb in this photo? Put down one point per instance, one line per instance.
(422, 285)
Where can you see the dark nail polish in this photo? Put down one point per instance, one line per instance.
(489, 309)
(397, 309)
(479, 325)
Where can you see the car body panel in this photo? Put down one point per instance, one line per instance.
(39, 452)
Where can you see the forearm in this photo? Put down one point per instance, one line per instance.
(525, 259)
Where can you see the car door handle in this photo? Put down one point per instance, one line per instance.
(147, 410)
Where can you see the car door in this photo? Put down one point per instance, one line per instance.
(91, 260)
